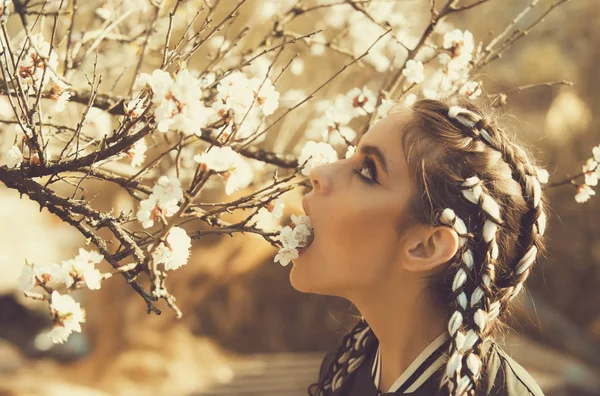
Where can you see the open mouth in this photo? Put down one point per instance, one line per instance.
(309, 241)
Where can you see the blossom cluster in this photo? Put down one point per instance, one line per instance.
(243, 102)
(162, 203)
(453, 75)
(37, 69)
(267, 218)
(294, 237)
(332, 125)
(67, 316)
(178, 104)
(66, 312)
(175, 252)
(32, 65)
(236, 171)
(81, 268)
(591, 172)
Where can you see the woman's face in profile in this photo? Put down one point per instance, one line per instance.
(355, 220)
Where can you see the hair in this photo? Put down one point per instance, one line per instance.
(470, 175)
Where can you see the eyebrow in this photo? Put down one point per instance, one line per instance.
(375, 151)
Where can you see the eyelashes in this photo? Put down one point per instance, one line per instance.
(370, 165)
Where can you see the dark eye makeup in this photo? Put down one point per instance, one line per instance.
(370, 165)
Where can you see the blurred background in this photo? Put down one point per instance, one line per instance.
(245, 330)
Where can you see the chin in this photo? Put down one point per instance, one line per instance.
(299, 279)
(305, 280)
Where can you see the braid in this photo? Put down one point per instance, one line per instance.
(467, 347)
(526, 175)
(454, 363)
(347, 359)
(535, 220)
(481, 300)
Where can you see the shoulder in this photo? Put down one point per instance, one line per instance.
(504, 376)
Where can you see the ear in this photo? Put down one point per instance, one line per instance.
(426, 247)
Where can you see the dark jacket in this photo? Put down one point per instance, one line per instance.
(502, 376)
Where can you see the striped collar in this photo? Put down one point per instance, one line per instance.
(424, 365)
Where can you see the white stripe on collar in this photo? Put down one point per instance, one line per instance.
(435, 344)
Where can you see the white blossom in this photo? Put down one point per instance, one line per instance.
(363, 33)
(460, 42)
(104, 12)
(470, 89)
(276, 208)
(135, 107)
(414, 71)
(287, 237)
(186, 88)
(267, 218)
(340, 135)
(285, 255)
(596, 152)
(233, 93)
(218, 43)
(268, 9)
(83, 267)
(32, 63)
(317, 46)
(362, 101)
(159, 81)
(14, 157)
(267, 97)
(410, 99)
(175, 252)
(149, 211)
(297, 66)
(51, 274)
(219, 159)
(339, 15)
(97, 123)
(317, 154)
(238, 173)
(302, 220)
(164, 201)
(239, 177)
(60, 94)
(542, 175)
(350, 151)
(302, 229)
(177, 100)
(67, 315)
(590, 172)
(584, 192)
(341, 112)
(137, 153)
(167, 189)
(293, 238)
(384, 108)
(207, 80)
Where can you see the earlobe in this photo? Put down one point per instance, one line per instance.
(429, 247)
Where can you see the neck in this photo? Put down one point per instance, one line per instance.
(405, 319)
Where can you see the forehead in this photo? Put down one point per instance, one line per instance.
(387, 136)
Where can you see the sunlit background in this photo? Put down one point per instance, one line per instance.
(245, 330)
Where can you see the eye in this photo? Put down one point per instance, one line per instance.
(368, 165)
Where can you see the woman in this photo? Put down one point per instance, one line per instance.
(430, 229)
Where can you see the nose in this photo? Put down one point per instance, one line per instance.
(320, 179)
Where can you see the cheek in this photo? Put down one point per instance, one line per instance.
(357, 244)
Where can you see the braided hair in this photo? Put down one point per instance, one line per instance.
(472, 177)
